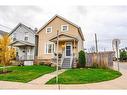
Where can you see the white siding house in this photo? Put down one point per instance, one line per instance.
(23, 39)
(2, 33)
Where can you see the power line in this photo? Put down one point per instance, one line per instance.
(5, 26)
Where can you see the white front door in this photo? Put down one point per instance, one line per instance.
(68, 49)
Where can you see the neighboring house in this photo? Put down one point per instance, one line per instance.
(23, 39)
(2, 33)
(70, 41)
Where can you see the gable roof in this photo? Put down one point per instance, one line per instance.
(64, 35)
(2, 32)
(79, 29)
(26, 27)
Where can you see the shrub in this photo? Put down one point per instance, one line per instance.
(82, 59)
(123, 55)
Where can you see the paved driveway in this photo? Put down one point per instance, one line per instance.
(119, 83)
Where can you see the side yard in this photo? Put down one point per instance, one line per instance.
(25, 73)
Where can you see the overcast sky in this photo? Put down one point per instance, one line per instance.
(108, 22)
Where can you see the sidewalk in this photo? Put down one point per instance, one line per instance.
(39, 83)
(45, 78)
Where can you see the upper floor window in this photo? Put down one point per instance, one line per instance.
(26, 36)
(48, 29)
(64, 28)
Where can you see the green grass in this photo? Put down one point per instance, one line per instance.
(1, 65)
(25, 73)
(83, 76)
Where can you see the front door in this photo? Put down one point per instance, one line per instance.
(68, 49)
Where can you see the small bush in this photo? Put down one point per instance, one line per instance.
(81, 59)
(123, 55)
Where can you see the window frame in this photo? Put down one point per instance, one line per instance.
(47, 29)
(64, 30)
(47, 48)
(26, 36)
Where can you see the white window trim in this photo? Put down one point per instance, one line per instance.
(47, 29)
(46, 44)
(64, 30)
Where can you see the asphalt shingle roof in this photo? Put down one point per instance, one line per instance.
(2, 32)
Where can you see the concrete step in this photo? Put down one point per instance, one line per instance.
(66, 63)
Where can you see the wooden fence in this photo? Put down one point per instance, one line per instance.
(100, 59)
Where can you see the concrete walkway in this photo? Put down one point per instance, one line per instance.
(118, 83)
(45, 78)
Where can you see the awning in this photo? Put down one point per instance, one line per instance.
(21, 43)
(63, 37)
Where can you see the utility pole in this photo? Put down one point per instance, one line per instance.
(57, 68)
(117, 50)
(116, 42)
(96, 45)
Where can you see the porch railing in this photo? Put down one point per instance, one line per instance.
(26, 57)
(60, 60)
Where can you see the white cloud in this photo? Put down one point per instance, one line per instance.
(107, 21)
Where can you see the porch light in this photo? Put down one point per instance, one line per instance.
(63, 46)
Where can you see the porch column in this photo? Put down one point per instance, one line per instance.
(74, 48)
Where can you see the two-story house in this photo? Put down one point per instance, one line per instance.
(23, 39)
(70, 40)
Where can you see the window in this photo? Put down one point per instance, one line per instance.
(64, 28)
(50, 48)
(26, 36)
(48, 29)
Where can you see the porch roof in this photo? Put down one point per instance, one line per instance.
(19, 43)
(63, 37)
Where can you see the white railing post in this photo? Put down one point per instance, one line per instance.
(62, 58)
(71, 58)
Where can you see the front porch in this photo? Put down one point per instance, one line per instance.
(24, 52)
(67, 50)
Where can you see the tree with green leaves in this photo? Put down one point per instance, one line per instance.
(82, 58)
(123, 55)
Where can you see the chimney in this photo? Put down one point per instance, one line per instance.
(35, 29)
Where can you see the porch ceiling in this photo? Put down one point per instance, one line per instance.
(63, 37)
(21, 43)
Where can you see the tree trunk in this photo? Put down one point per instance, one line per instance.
(4, 68)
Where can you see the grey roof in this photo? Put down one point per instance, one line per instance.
(26, 27)
(2, 32)
(23, 42)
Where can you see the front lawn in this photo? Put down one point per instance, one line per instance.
(25, 73)
(83, 76)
